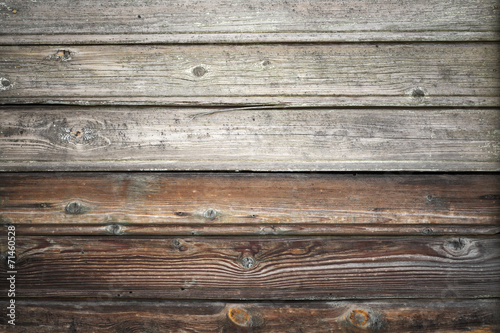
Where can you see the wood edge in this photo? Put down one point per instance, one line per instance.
(250, 38)
(313, 230)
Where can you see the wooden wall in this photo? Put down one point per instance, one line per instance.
(251, 166)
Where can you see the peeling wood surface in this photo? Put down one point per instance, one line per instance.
(326, 268)
(417, 75)
(138, 138)
(250, 203)
(369, 316)
(153, 21)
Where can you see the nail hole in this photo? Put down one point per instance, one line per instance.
(138, 16)
(266, 63)
(5, 83)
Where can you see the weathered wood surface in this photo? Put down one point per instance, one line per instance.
(284, 75)
(250, 203)
(137, 138)
(153, 21)
(479, 316)
(257, 268)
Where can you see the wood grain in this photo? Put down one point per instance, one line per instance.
(326, 268)
(250, 203)
(146, 316)
(153, 21)
(138, 138)
(277, 75)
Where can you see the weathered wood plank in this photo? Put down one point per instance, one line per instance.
(263, 204)
(426, 74)
(375, 316)
(257, 268)
(123, 138)
(153, 21)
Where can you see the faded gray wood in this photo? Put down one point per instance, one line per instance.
(120, 138)
(249, 204)
(278, 75)
(153, 21)
(48, 316)
(256, 268)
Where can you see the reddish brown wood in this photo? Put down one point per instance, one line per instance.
(263, 204)
(48, 316)
(254, 268)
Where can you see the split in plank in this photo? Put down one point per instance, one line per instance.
(50, 316)
(57, 138)
(181, 21)
(246, 203)
(276, 75)
(326, 268)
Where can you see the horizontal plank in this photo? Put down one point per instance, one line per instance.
(192, 21)
(246, 203)
(153, 138)
(325, 268)
(283, 75)
(375, 316)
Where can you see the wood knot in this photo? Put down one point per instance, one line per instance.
(115, 229)
(177, 244)
(74, 208)
(248, 262)
(60, 55)
(359, 318)
(210, 214)
(364, 320)
(199, 71)
(239, 317)
(417, 92)
(5, 83)
(460, 247)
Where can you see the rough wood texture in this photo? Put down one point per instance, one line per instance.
(136, 138)
(153, 21)
(280, 204)
(257, 268)
(427, 74)
(479, 316)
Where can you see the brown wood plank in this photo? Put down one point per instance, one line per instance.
(138, 138)
(153, 21)
(283, 75)
(246, 203)
(256, 268)
(375, 316)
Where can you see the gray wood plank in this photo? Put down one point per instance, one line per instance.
(186, 21)
(283, 75)
(153, 138)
